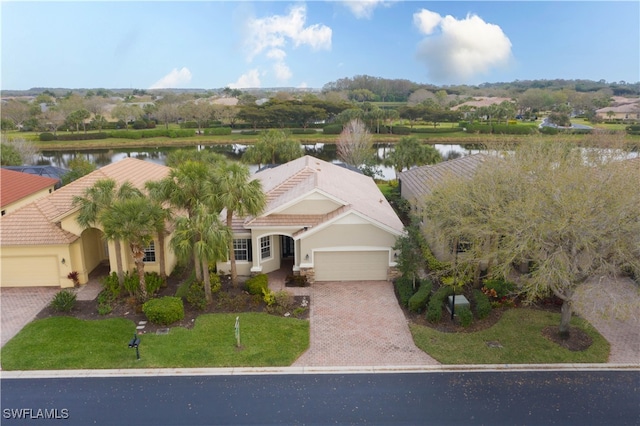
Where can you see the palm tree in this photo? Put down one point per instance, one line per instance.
(237, 194)
(186, 185)
(95, 201)
(410, 152)
(206, 236)
(134, 220)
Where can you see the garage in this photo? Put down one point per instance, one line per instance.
(351, 265)
(30, 271)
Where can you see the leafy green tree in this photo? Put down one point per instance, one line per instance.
(238, 195)
(18, 151)
(410, 152)
(205, 236)
(95, 201)
(553, 207)
(127, 113)
(175, 158)
(9, 155)
(78, 167)
(274, 146)
(134, 220)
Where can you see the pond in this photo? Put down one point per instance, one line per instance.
(327, 152)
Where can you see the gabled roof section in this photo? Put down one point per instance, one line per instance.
(422, 180)
(15, 186)
(38, 222)
(290, 182)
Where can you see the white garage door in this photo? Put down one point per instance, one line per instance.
(351, 265)
(30, 271)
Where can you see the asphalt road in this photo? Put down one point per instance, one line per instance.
(439, 398)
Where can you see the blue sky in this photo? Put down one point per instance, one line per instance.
(208, 45)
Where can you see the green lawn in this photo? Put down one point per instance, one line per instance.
(519, 332)
(60, 343)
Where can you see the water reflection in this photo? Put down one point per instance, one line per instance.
(327, 152)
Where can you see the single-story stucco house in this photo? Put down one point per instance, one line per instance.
(329, 223)
(42, 242)
(417, 183)
(18, 189)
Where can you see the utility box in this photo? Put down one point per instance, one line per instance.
(461, 302)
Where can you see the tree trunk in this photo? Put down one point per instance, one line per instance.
(565, 318)
(119, 269)
(161, 262)
(207, 282)
(232, 254)
(196, 263)
(138, 256)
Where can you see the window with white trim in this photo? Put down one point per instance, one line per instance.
(265, 247)
(150, 252)
(241, 249)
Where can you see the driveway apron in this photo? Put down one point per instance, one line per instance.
(359, 323)
(20, 306)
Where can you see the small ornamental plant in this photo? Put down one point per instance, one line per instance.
(75, 277)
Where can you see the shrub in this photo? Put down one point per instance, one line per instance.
(419, 300)
(296, 281)
(404, 287)
(111, 285)
(282, 302)
(401, 130)
(483, 305)
(164, 311)
(249, 132)
(131, 283)
(64, 301)
(268, 296)
(633, 129)
(303, 131)
(465, 316)
(80, 136)
(434, 308)
(433, 264)
(125, 134)
(546, 130)
(46, 137)
(256, 284)
(153, 282)
(75, 277)
(105, 302)
(332, 129)
(502, 288)
(218, 131)
(196, 297)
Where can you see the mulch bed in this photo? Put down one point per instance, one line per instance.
(577, 341)
(230, 299)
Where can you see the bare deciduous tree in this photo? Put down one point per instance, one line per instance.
(568, 213)
(355, 145)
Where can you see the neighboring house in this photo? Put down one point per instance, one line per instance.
(45, 171)
(42, 242)
(18, 189)
(621, 109)
(418, 183)
(330, 223)
(482, 101)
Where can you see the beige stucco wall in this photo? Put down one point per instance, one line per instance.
(34, 266)
(26, 200)
(70, 224)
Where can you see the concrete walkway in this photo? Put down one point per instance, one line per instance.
(359, 323)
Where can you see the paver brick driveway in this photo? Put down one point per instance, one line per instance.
(19, 306)
(359, 323)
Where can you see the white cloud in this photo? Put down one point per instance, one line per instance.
(363, 9)
(426, 21)
(247, 80)
(272, 35)
(175, 79)
(462, 49)
(303, 85)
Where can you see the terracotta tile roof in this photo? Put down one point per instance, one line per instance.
(301, 177)
(422, 180)
(16, 185)
(38, 222)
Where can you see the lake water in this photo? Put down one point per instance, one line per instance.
(327, 152)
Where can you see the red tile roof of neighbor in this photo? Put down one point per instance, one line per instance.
(17, 185)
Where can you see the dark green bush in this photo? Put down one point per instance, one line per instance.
(64, 301)
(633, 129)
(111, 285)
(434, 308)
(332, 129)
(483, 304)
(518, 129)
(503, 288)
(401, 130)
(131, 283)
(465, 316)
(218, 131)
(436, 130)
(164, 311)
(125, 134)
(419, 300)
(250, 132)
(296, 281)
(46, 137)
(80, 136)
(303, 131)
(404, 287)
(256, 284)
(196, 297)
(545, 130)
(153, 282)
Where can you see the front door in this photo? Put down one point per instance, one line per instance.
(288, 246)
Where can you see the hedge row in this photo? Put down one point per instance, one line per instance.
(218, 131)
(419, 300)
(520, 129)
(434, 309)
(404, 287)
(483, 304)
(436, 130)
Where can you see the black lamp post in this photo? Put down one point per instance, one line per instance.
(134, 343)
